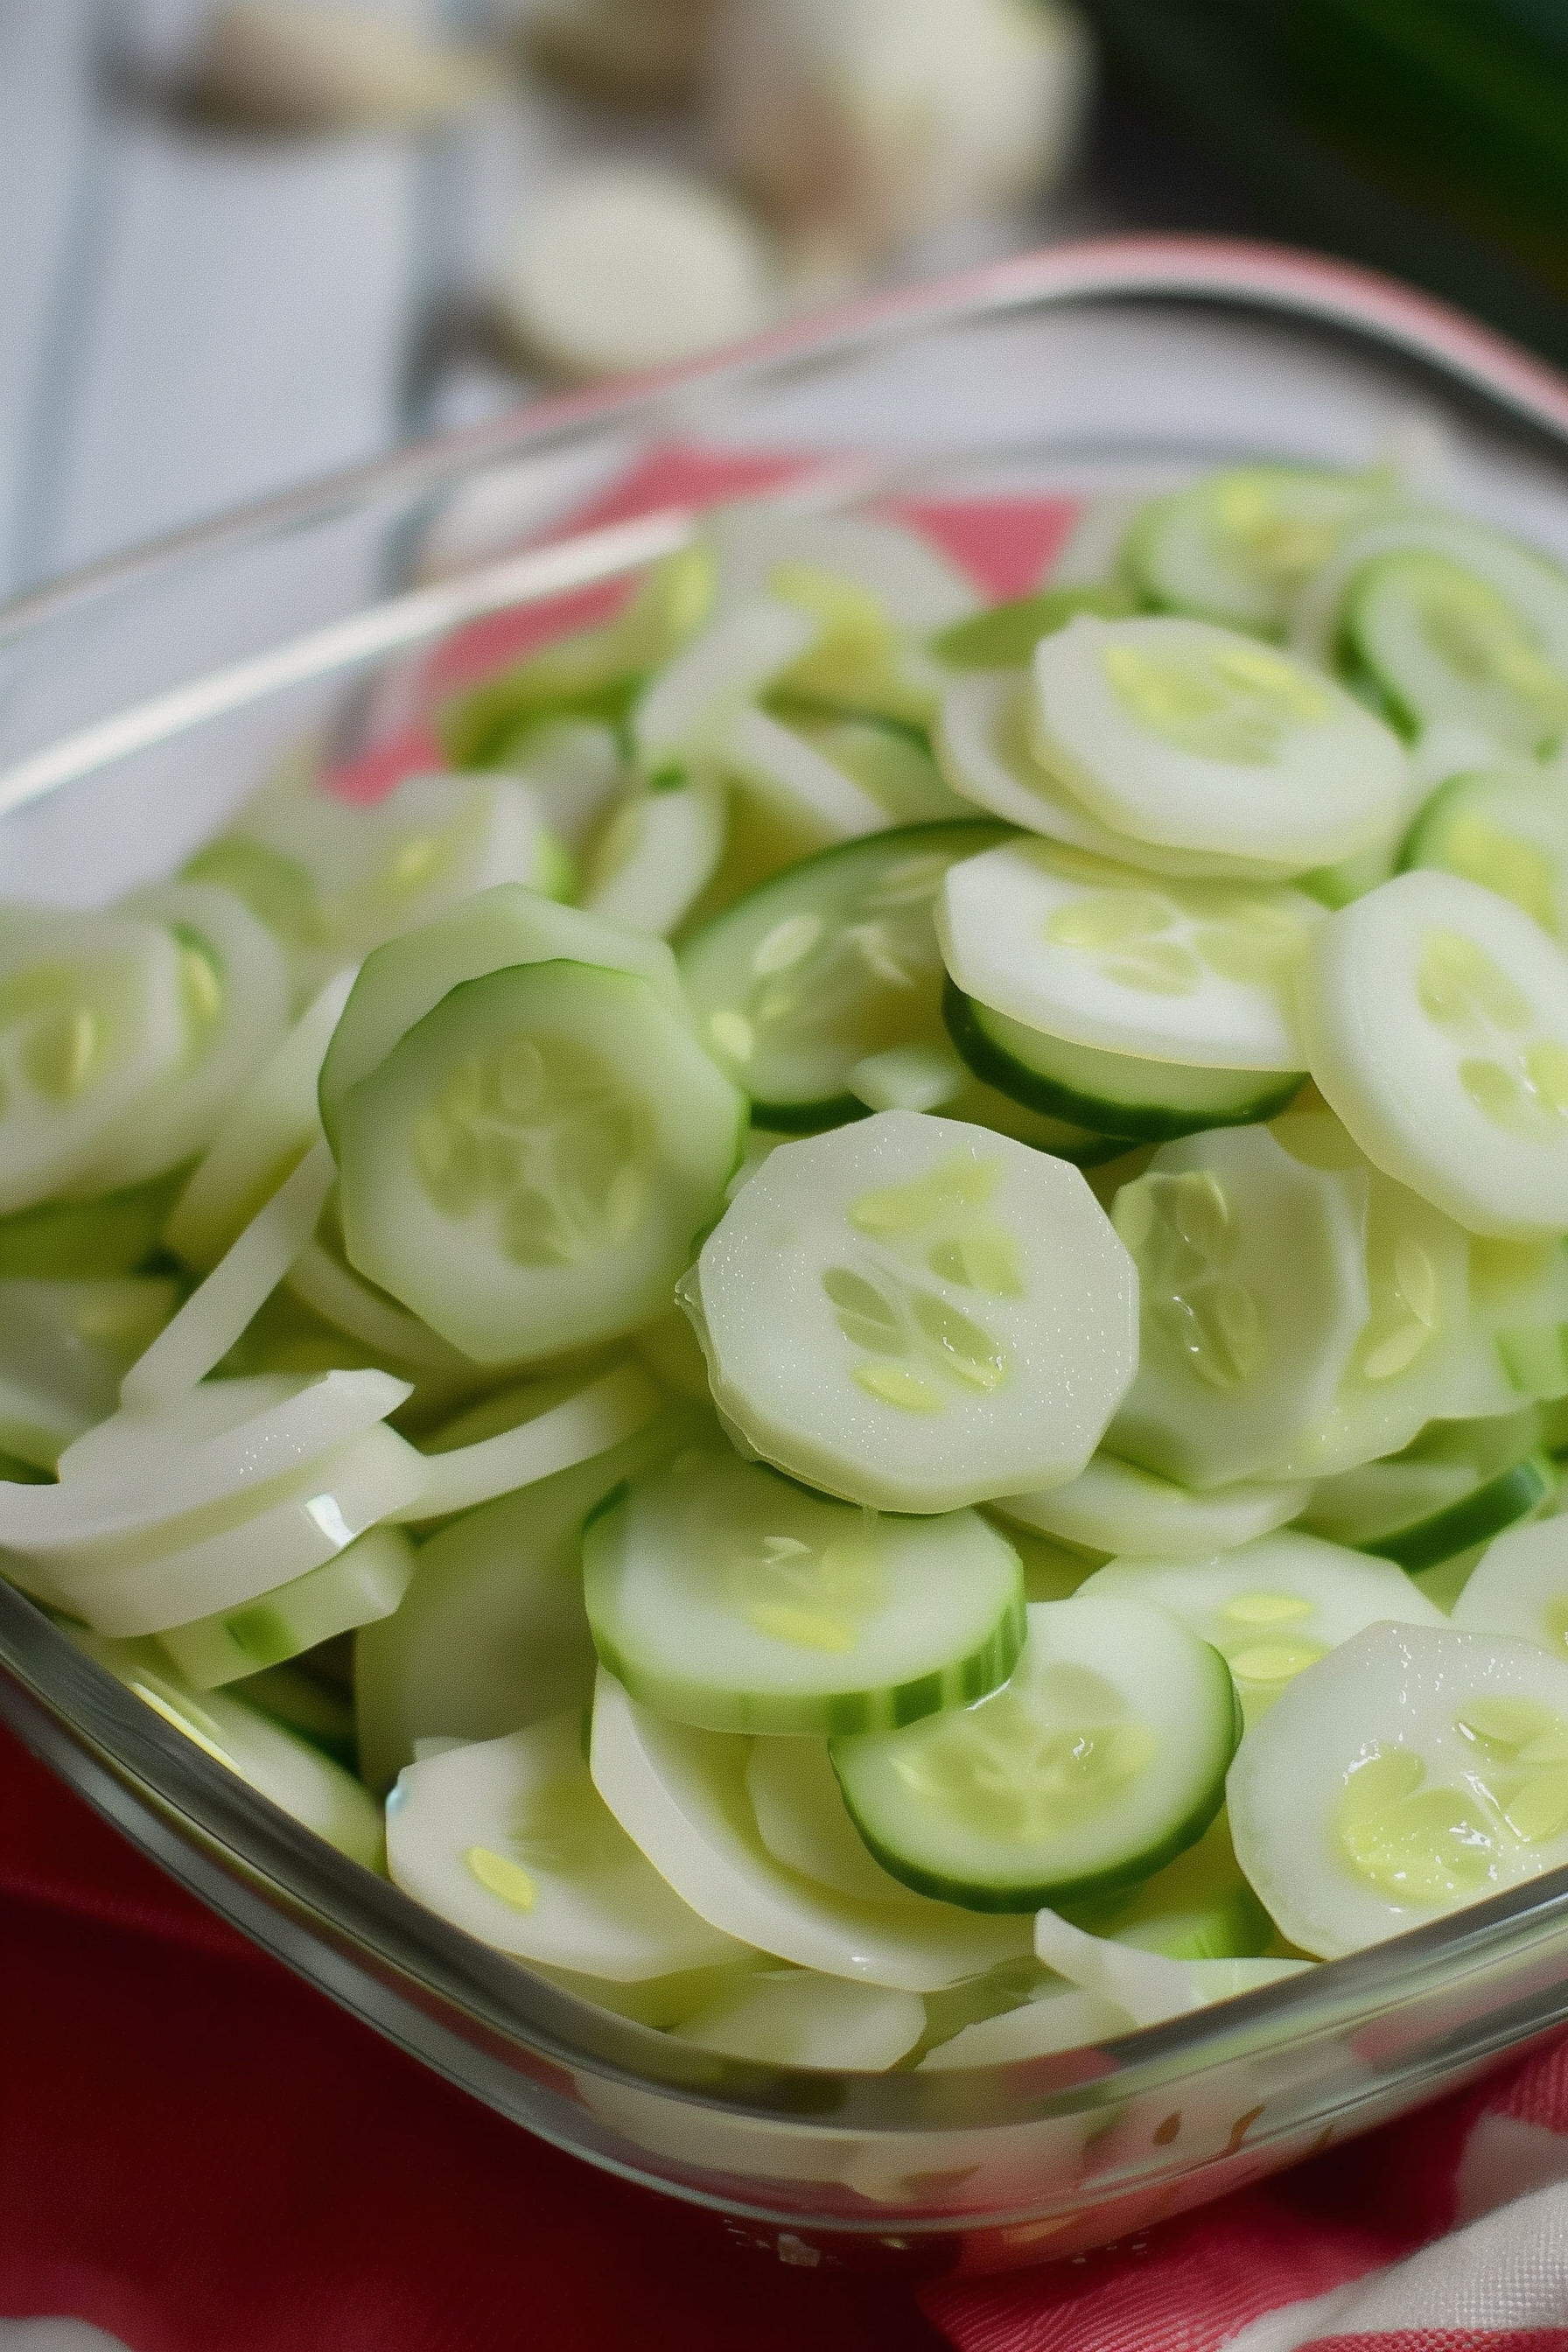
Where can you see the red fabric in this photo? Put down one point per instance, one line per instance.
(200, 2154)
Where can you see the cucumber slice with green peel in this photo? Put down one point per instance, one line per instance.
(64, 1349)
(1123, 1094)
(933, 1077)
(491, 1633)
(1199, 1907)
(1197, 738)
(1273, 1607)
(1253, 1296)
(1099, 955)
(1505, 827)
(983, 745)
(1458, 1484)
(92, 1020)
(830, 962)
(402, 982)
(1114, 1506)
(364, 1582)
(798, 2017)
(1149, 1986)
(689, 708)
(1529, 582)
(802, 1820)
(892, 763)
(1101, 1758)
(654, 855)
(527, 1170)
(291, 1771)
(363, 875)
(723, 1596)
(1519, 1587)
(1004, 636)
(509, 1840)
(80, 1241)
(266, 1133)
(1238, 547)
(1064, 1139)
(1443, 644)
(1415, 1769)
(916, 1314)
(236, 991)
(1435, 1016)
(681, 1795)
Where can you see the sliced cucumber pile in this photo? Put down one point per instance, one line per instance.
(566, 1289)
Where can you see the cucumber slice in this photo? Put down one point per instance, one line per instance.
(654, 855)
(92, 1019)
(1253, 1296)
(1199, 1907)
(1435, 1020)
(1273, 1607)
(1529, 583)
(491, 1633)
(1122, 1095)
(1196, 738)
(293, 1772)
(323, 1282)
(798, 2017)
(527, 1169)
(1519, 1325)
(829, 962)
(723, 1596)
(1114, 1506)
(681, 1795)
(1004, 636)
(917, 1315)
(1192, 973)
(1519, 1587)
(981, 741)
(407, 977)
(236, 990)
(1506, 828)
(364, 1582)
(1458, 1484)
(925, 1076)
(860, 664)
(1444, 646)
(64, 1349)
(1238, 547)
(509, 1840)
(264, 1137)
(802, 1820)
(988, 1107)
(1149, 1986)
(1415, 1769)
(688, 710)
(1102, 1757)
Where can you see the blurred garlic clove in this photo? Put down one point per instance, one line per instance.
(271, 64)
(858, 124)
(625, 266)
(626, 52)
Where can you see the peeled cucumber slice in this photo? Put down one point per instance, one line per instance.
(293, 1772)
(1114, 1506)
(407, 977)
(1415, 1769)
(724, 1596)
(681, 1795)
(528, 1168)
(491, 1634)
(1505, 827)
(798, 2017)
(916, 1314)
(1253, 1296)
(1519, 1587)
(1191, 973)
(1273, 1607)
(510, 1839)
(1238, 547)
(1435, 1016)
(366, 1582)
(1101, 1758)
(1197, 738)
(832, 962)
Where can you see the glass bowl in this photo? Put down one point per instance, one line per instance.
(138, 702)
